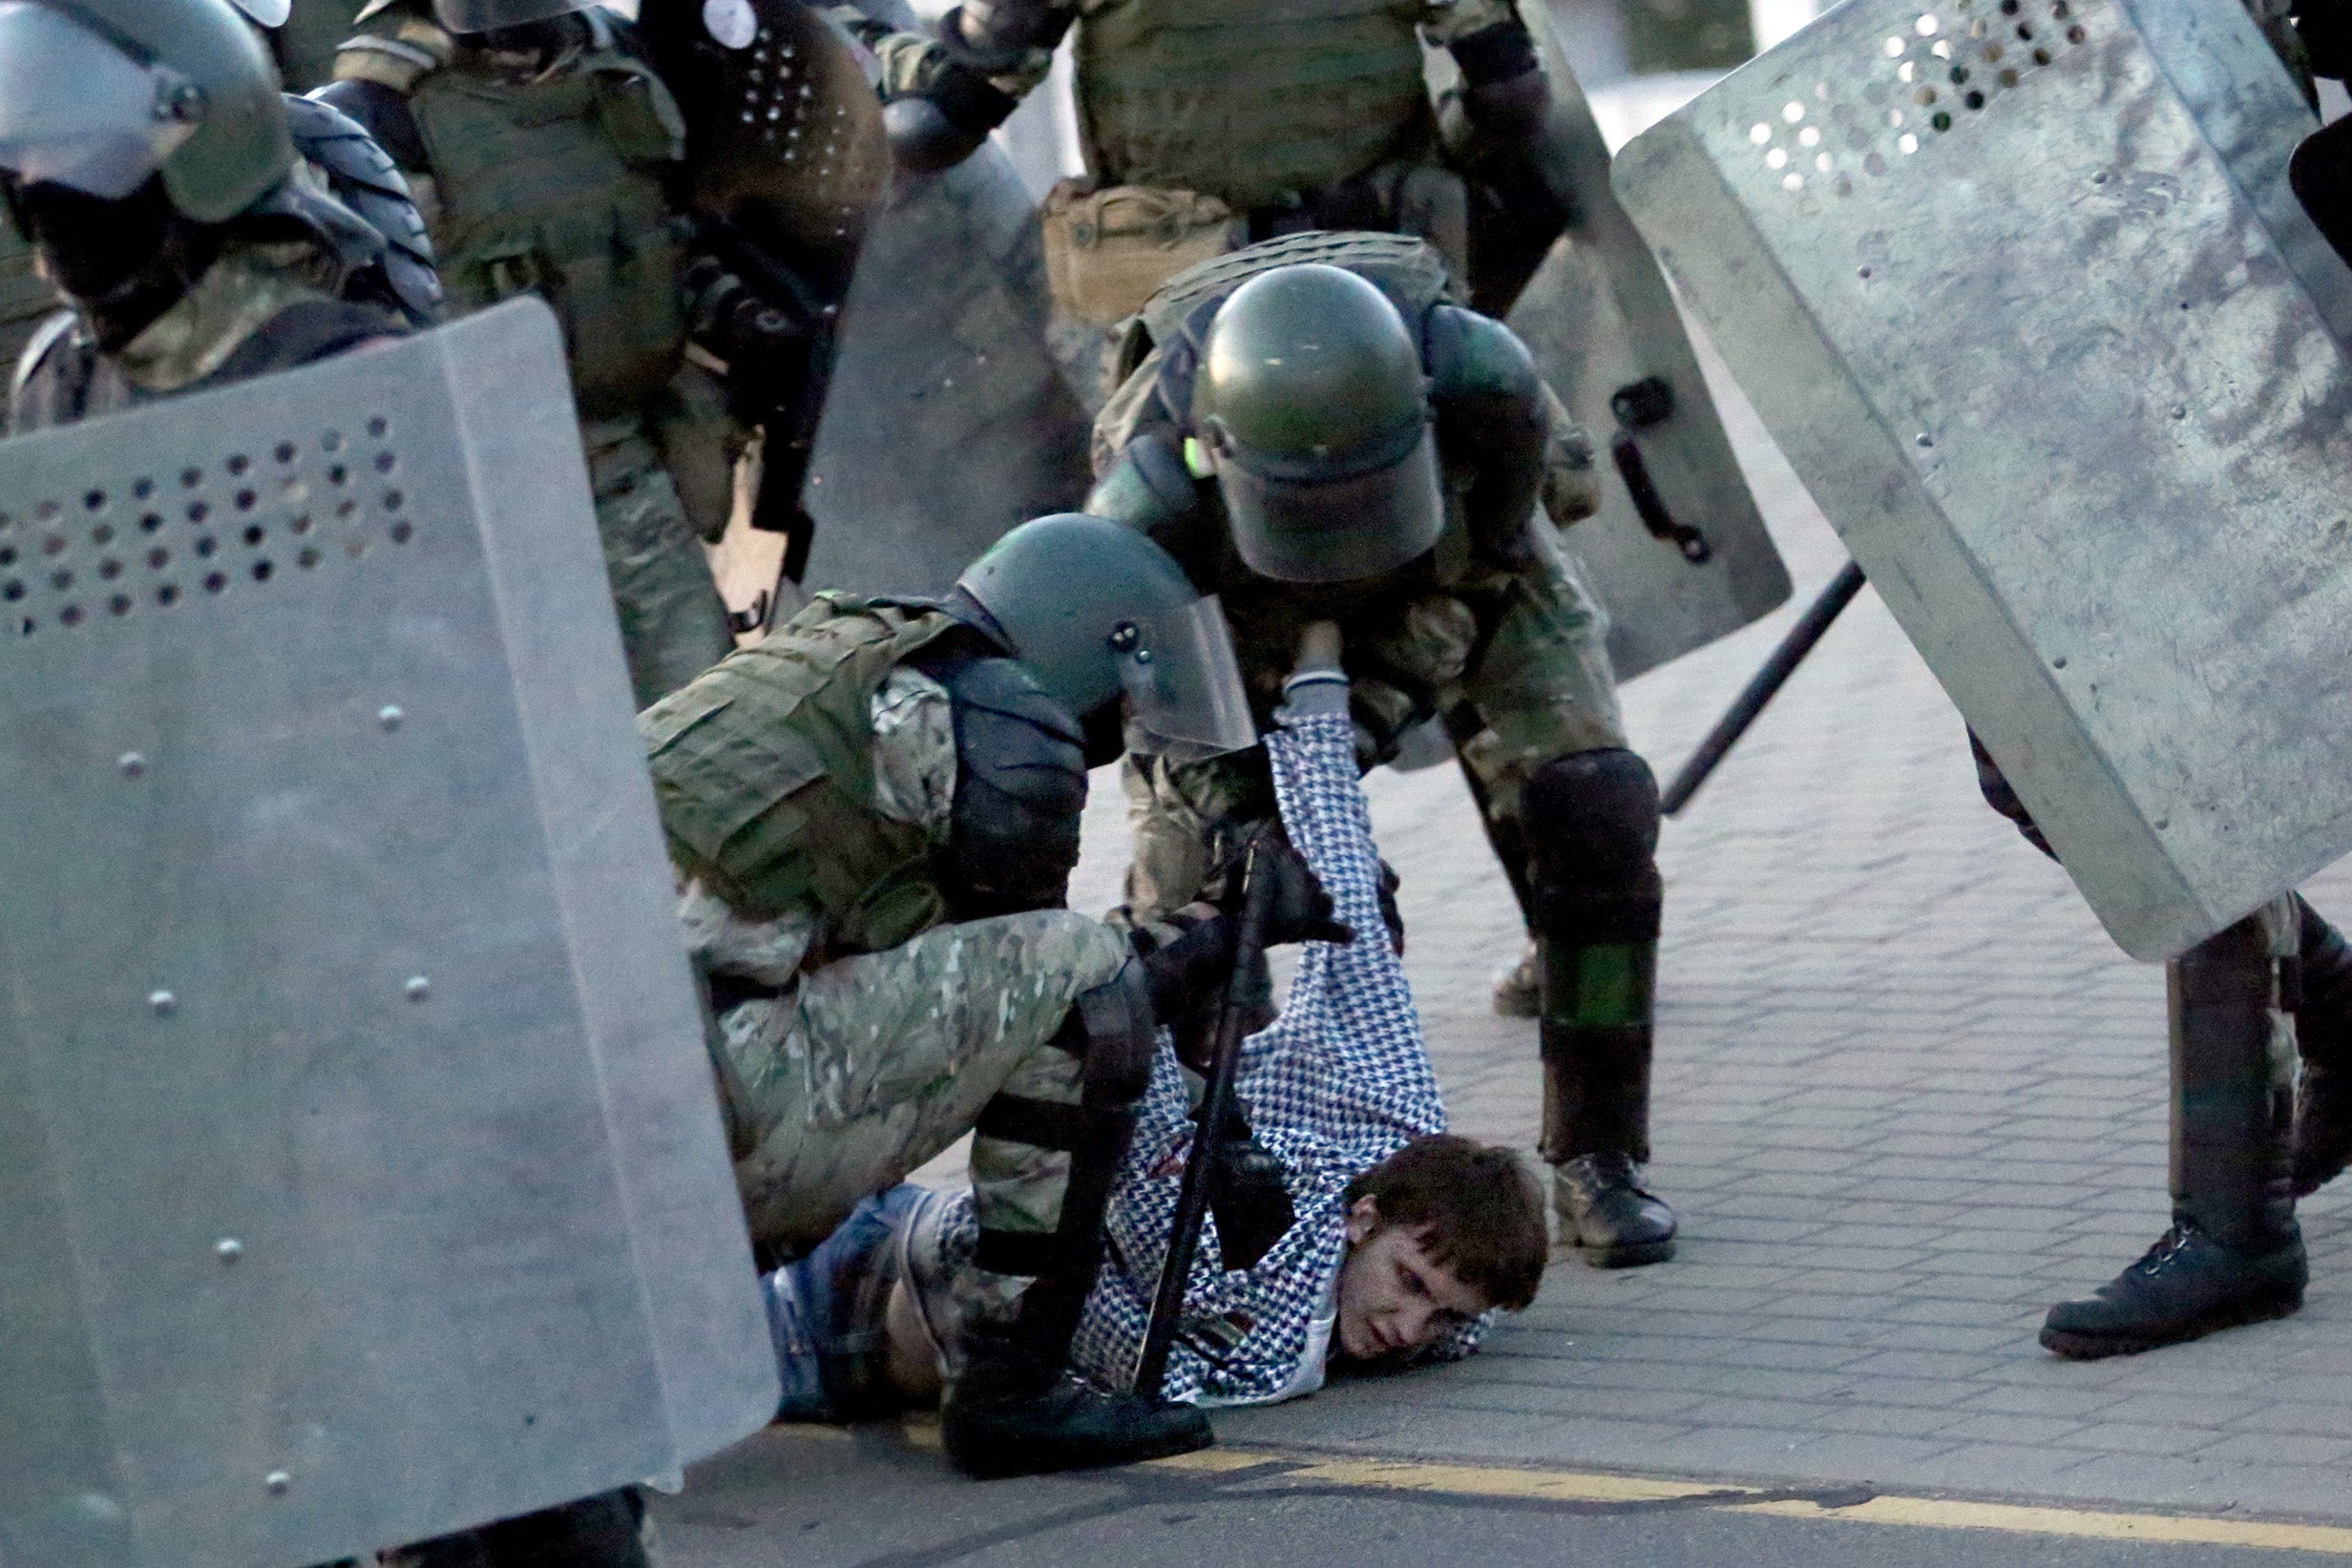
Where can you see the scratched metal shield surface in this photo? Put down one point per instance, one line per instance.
(948, 420)
(1598, 317)
(360, 1165)
(2019, 288)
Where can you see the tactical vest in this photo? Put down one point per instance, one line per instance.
(764, 772)
(1407, 269)
(555, 188)
(1247, 100)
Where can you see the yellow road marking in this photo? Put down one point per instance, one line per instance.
(2168, 1529)
(1920, 1513)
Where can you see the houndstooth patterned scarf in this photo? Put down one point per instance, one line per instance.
(1337, 1084)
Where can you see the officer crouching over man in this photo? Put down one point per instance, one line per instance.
(877, 808)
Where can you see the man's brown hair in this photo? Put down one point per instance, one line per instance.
(1483, 1214)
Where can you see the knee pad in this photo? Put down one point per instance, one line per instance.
(1590, 822)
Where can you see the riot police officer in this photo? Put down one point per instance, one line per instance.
(158, 190)
(2242, 1146)
(545, 150)
(1317, 431)
(877, 807)
(188, 254)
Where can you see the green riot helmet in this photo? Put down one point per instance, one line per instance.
(1313, 411)
(1097, 611)
(100, 96)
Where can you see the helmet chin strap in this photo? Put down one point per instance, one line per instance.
(123, 263)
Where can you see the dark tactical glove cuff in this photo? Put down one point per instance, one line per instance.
(969, 100)
(1184, 970)
(1298, 910)
(1007, 28)
(1497, 53)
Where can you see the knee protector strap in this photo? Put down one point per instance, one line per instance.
(1113, 1033)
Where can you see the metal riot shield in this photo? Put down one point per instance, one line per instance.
(948, 422)
(784, 133)
(2021, 290)
(784, 136)
(1679, 553)
(360, 1163)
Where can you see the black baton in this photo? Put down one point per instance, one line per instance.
(1168, 1303)
(1766, 685)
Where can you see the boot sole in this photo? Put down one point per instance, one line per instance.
(1635, 1256)
(980, 1468)
(2075, 1346)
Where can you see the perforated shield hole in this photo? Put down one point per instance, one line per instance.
(1924, 79)
(145, 542)
(781, 101)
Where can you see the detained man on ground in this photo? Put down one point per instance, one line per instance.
(1362, 1234)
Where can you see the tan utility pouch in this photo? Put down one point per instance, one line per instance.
(1107, 251)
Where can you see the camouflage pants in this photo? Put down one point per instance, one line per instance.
(872, 1065)
(673, 624)
(1539, 688)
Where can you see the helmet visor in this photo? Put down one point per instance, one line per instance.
(1303, 529)
(267, 14)
(75, 111)
(1183, 682)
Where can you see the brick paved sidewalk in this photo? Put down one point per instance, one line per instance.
(1909, 1094)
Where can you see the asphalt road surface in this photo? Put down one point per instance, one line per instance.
(880, 1497)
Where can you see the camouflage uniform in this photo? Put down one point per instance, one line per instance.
(1259, 109)
(550, 178)
(806, 785)
(1509, 654)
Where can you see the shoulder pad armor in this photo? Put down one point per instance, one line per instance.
(1472, 356)
(362, 177)
(1020, 790)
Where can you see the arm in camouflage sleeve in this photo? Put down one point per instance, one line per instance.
(943, 92)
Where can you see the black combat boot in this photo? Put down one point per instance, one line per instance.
(2235, 1254)
(1596, 1041)
(1018, 1410)
(2324, 1036)
(1596, 1135)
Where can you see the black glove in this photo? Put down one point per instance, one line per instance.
(1250, 1197)
(1298, 908)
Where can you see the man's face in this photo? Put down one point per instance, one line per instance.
(1393, 1298)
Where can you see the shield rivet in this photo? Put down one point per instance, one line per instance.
(228, 1249)
(278, 1482)
(419, 988)
(132, 763)
(1923, 440)
(162, 1001)
(389, 715)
